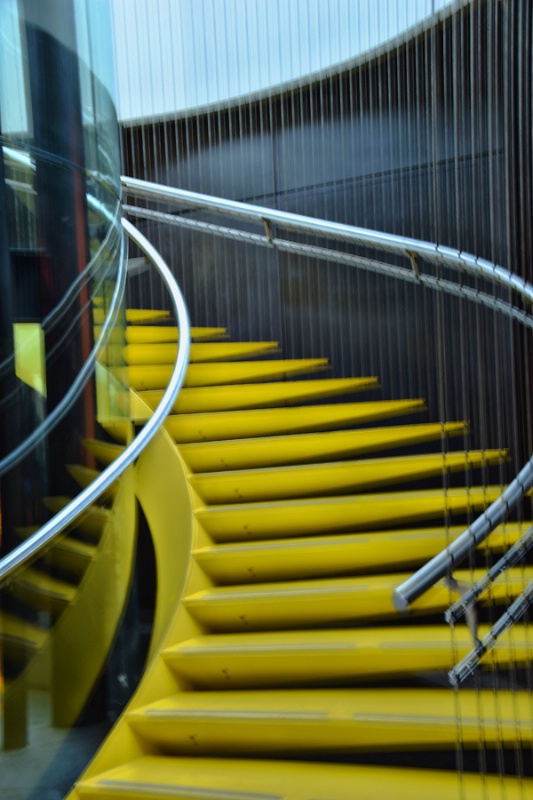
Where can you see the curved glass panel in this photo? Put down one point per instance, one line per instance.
(61, 338)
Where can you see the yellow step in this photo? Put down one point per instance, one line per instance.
(307, 448)
(156, 376)
(66, 553)
(314, 603)
(229, 425)
(326, 657)
(166, 352)
(84, 476)
(344, 554)
(286, 518)
(91, 522)
(153, 334)
(105, 452)
(259, 395)
(42, 591)
(141, 315)
(334, 478)
(182, 778)
(19, 637)
(333, 720)
(137, 316)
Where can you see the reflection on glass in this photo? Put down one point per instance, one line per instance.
(60, 250)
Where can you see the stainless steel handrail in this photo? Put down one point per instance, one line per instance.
(402, 245)
(413, 249)
(32, 546)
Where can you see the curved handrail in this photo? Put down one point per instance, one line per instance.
(413, 249)
(401, 245)
(31, 547)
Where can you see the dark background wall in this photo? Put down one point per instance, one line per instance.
(430, 138)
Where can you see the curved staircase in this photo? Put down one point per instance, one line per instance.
(286, 671)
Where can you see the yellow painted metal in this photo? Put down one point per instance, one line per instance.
(259, 395)
(343, 554)
(112, 396)
(79, 659)
(333, 720)
(19, 638)
(240, 660)
(91, 522)
(165, 353)
(66, 553)
(309, 447)
(216, 426)
(71, 555)
(152, 334)
(299, 720)
(156, 376)
(251, 779)
(29, 351)
(105, 452)
(84, 476)
(162, 491)
(274, 519)
(339, 477)
(138, 316)
(357, 600)
(94, 606)
(42, 591)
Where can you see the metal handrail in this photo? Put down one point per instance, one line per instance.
(32, 546)
(414, 250)
(402, 245)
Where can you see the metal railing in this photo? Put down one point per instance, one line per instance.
(417, 253)
(44, 536)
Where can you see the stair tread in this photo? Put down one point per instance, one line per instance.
(338, 477)
(258, 395)
(306, 448)
(348, 553)
(141, 315)
(332, 720)
(33, 581)
(66, 543)
(84, 476)
(223, 425)
(283, 518)
(152, 334)
(105, 452)
(151, 777)
(166, 352)
(137, 316)
(92, 521)
(314, 602)
(156, 376)
(21, 632)
(303, 657)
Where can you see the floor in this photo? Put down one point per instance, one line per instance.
(48, 766)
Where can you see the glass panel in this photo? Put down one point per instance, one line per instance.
(61, 248)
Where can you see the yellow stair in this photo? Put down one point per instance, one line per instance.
(286, 666)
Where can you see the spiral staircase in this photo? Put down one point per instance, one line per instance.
(285, 670)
